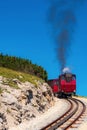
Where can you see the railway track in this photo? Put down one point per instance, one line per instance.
(69, 118)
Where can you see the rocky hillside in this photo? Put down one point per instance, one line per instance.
(22, 97)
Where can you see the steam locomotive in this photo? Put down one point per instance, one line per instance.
(63, 86)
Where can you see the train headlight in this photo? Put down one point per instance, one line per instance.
(74, 90)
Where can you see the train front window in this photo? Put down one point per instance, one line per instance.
(62, 77)
(55, 82)
(68, 77)
(73, 78)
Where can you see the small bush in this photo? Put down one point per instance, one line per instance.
(1, 90)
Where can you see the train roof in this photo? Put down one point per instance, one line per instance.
(52, 79)
(67, 74)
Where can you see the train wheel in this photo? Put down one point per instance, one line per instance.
(60, 95)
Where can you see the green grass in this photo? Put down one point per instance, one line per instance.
(81, 96)
(1, 90)
(11, 74)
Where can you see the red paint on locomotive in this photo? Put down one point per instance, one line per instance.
(67, 83)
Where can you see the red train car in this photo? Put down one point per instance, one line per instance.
(54, 83)
(64, 86)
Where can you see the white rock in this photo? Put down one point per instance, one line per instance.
(8, 98)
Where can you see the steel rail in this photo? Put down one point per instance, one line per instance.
(52, 125)
(80, 114)
(66, 116)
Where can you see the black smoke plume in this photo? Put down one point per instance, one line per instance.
(62, 17)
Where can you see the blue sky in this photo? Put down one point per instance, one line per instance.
(25, 32)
